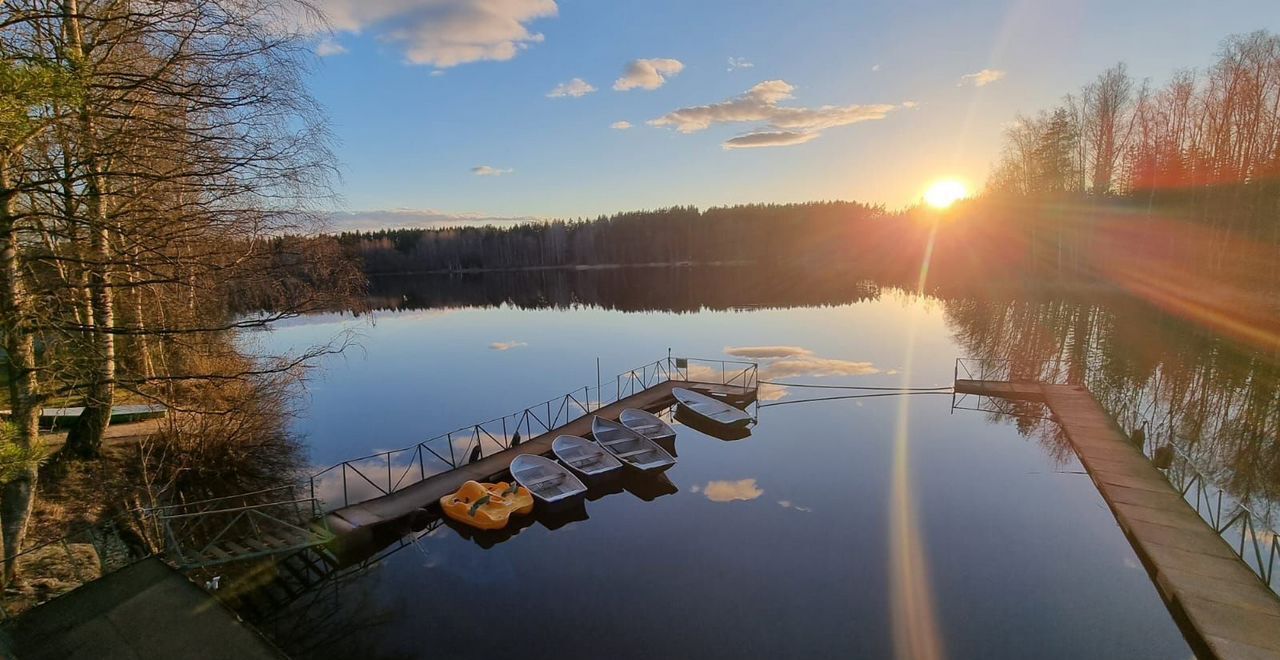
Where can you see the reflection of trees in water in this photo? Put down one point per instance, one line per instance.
(635, 289)
(1217, 400)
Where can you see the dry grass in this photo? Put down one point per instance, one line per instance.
(50, 572)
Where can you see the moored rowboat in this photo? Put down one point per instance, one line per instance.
(549, 481)
(631, 448)
(647, 424)
(710, 409)
(584, 457)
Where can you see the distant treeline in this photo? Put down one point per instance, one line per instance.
(681, 234)
(1172, 193)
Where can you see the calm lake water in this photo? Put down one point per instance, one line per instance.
(838, 527)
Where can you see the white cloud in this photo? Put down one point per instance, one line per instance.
(648, 74)
(486, 170)
(728, 491)
(782, 125)
(575, 88)
(443, 33)
(328, 47)
(767, 139)
(736, 63)
(506, 345)
(620, 125)
(414, 219)
(875, 67)
(910, 105)
(981, 78)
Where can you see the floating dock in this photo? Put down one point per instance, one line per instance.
(425, 493)
(1221, 605)
(61, 418)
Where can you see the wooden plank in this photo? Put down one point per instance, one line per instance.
(218, 553)
(1000, 389)
(236, 549)
(256, 544)
(1225, 610)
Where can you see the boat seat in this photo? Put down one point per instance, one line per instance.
(608, 443)
(545, 480)
(635, 453)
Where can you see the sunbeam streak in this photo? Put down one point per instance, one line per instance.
(915, 627)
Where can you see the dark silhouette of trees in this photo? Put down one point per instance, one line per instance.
(752, 233)
(153, 155)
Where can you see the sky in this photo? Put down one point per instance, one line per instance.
(450, 111)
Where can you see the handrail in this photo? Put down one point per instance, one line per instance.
(528, 422)
(1213, 515)
(1061, 372)
(1264, 541)
(177, 505)
(250, 507)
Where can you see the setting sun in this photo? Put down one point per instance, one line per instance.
(942, 194)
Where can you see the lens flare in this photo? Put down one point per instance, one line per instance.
(916, 635)
(942, 194)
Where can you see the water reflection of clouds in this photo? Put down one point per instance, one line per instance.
(742, 490)
(765, 352)
(816, 366)
(788, 504)
(794, 361)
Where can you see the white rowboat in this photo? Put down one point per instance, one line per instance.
(710, 409)
(583, 456)
(549, 481)
(630, 447)
(646, 424)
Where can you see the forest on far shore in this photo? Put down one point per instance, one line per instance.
(1122, 175)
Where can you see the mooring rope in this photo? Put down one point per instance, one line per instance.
(852, 396)
(860, 387)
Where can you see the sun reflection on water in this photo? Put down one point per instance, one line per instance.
(915, 626)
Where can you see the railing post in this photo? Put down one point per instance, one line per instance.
(346, 501)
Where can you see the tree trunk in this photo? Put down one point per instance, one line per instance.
(85, 438)
(17, 498)
(18, 495)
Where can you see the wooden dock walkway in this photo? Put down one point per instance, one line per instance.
(427, 492)
(1222, 607)
(56, 418)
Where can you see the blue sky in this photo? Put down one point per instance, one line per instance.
(423, 92)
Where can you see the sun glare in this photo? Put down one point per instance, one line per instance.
(942, 194)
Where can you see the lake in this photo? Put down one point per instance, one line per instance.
(840, 526)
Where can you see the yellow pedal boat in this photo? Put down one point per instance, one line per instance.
(487, 506)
